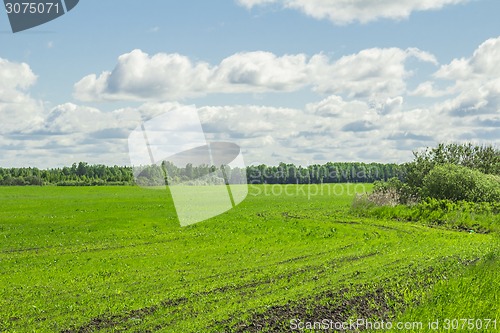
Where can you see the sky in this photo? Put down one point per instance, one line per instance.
(294, 81)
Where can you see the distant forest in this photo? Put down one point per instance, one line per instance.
(84, 174)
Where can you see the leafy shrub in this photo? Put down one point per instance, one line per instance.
(462, 215)
(485, 159)
(454, 182)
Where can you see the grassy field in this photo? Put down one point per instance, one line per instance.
(114, 259)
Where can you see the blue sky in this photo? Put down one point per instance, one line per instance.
(302, 81)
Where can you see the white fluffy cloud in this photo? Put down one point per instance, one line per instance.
(70, 133)
(348, 11)
(469, 92)
(15, 75)
(482, 65)
(364, 117)
(371, 73)
(18, 111)
(333, 129)
(70, 118)
(475, 83)
(260, 72)
(270, 134)
(138, 76)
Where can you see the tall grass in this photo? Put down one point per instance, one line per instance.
(472, 217)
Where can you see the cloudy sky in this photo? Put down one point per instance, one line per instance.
(299, 81)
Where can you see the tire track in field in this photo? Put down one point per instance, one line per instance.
(109, 321)
(105, 322)
(80, 249)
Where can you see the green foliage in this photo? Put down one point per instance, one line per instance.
(485, 159)
(341, 172)
(84, 174)
(81, 174)
(459, 215)
(454, 182)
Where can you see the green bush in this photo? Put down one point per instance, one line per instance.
(456, 183)
(485, 159)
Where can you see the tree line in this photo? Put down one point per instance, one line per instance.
(84, 174)
(331, 172)
(79, 174)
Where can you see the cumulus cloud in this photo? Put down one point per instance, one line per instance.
(475, 88)
(70, 118)
(18, 110)
(364, 114)
(260, 72)
(138, 76)
(428, 89)
(391, 128)
(271, 134)
(15, 75)
(335, 106)
(482, 65)
(348, 11)
(469, 96)
(332, 129)
(371, 73)
(70, 133)
(252, 122)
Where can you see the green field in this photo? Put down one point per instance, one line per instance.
(114, 259)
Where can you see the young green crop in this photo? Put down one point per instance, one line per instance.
(112, 259)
